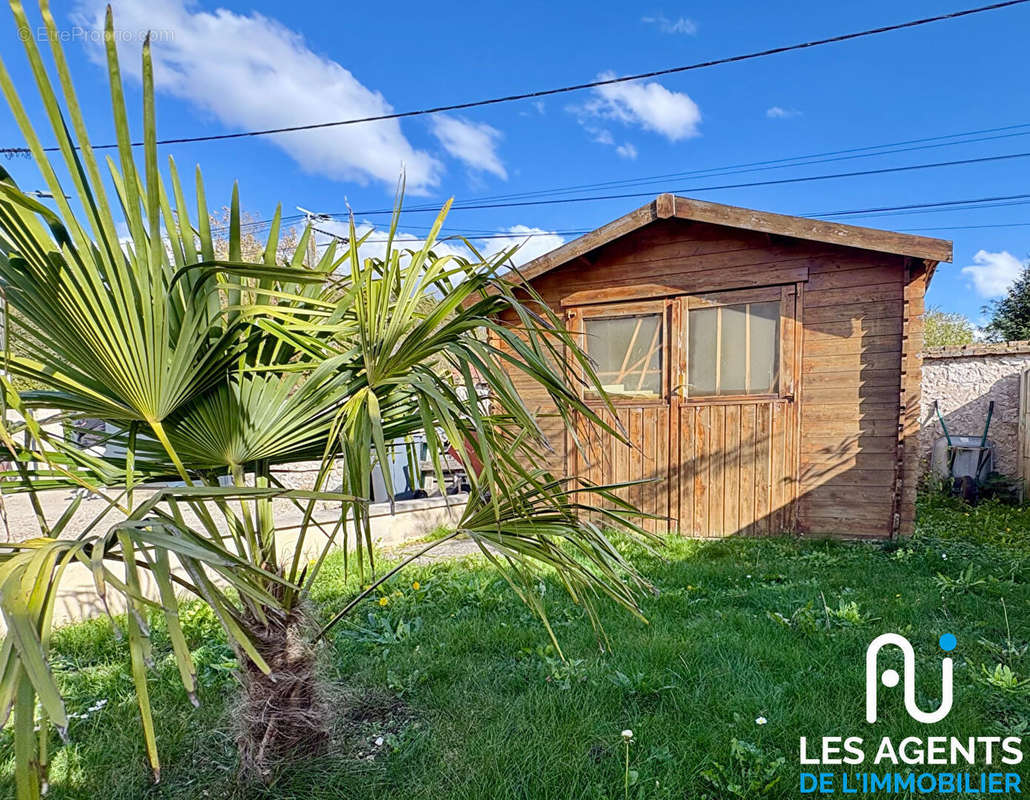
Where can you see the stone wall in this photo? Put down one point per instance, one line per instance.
(964, 379)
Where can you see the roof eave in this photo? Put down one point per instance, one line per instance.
(668, 206)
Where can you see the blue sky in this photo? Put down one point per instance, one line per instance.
(251, 64)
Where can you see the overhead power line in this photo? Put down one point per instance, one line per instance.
(967, 227)
(968, 204)
(570, 88)
(694, 189)
(863, 151)
(920, 206)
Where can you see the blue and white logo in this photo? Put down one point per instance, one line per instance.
(890, 677)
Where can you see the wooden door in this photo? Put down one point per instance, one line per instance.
(629, 343)
(736, 414)
(719, 432)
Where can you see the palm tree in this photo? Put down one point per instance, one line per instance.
(211, 372)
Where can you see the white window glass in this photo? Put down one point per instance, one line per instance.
(628, 353)
(702, 351)
(763, 372)
(733, 349)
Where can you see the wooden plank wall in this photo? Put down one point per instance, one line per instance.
(605, 460)
(853, 323)
(550, 422)
(916, 278)
(851, 382)
(735, 469)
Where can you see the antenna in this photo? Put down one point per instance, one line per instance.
(313, 217)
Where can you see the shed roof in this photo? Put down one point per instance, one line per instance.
(669, 206)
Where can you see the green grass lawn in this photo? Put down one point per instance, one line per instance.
(451, 690)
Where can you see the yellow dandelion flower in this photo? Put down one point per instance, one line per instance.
(384, 600)
(416, 586)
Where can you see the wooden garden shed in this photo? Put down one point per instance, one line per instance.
(766, 368)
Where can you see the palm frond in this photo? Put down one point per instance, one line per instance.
(207, 367)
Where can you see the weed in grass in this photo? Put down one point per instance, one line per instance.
(561, 673)
(1003, 679)
(1008, 650)
(966, 581)
(848, 614)
(631, 776)
(216, 665)
(805, 619)
(402, 684)
(809, 619)
(381, 630)
(640, 684)
(818, 558)
(751, 771)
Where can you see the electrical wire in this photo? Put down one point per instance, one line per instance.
(716, 187)
(941, 203)
(861, 151)
(968, 204)
(967, 227)
(566, 89)
(867, 151)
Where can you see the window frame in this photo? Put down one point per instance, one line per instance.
(785, 295)
(577, 323)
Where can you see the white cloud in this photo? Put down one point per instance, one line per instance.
(538, 106)
(646, 104)
(532, 241)
(627, 150)
(666, 25)
(375, 245)
(993, 273)
(778, 112)
(250, 71)
(473, 143)
(605, 137)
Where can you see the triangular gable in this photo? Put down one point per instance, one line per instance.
(668, 206)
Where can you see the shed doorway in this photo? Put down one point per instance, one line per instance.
(704, 387)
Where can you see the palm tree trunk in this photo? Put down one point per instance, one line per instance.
(282, 715)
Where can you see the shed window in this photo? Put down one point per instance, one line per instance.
(628, 353)
(734, 349)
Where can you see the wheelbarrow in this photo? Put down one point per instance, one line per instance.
(965, 460)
